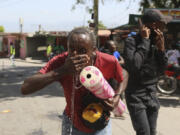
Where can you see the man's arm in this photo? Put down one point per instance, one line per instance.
(161, 57)
(122, 76)
(121, 60)
(135, 55)
(162, 61)
(122, 86)
(39, 81)
(111, 103)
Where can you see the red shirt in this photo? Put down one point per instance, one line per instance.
(106, 63)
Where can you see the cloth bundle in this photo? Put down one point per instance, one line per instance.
(92, 79)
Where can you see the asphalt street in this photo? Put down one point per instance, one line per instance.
(41, 113)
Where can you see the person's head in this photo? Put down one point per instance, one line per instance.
(154, 19)
(81, 41)
(111, 45)
(11, 43)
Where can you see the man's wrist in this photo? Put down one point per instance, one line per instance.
(117, 94)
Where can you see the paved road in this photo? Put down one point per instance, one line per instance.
(40, 113)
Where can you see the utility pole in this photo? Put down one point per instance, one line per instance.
(21, 24)
(96, 9)
(40, 28)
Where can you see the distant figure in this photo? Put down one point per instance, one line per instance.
(104, 49)
(174, 55)
(49, 52)
(12, 53)
(112, 49)
(111, 46)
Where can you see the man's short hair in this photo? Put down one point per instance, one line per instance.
(84, 30)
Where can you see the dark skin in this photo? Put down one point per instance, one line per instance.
(81, 53)
(157, 27)
(112, 48)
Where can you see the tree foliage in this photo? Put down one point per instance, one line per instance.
(143, 4)
(83, 2)
(101, 26)
(1, 29)
(159, 4)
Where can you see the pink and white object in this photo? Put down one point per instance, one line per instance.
(92, 79)
(120, 109)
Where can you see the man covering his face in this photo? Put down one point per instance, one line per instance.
(65, 68)
(144, 59)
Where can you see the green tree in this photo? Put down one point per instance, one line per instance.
(159, 4)
(101, 26)
(85, 1)
(1, 29)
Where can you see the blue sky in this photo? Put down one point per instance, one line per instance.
(56, 15)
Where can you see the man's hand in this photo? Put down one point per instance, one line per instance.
(111, 103)
(74, 64)
(145, 32)
(159, 40)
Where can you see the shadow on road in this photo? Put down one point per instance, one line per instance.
(11, 80)
(54, 116)
(38, 132)
(170, 101)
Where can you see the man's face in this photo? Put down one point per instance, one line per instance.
(80, 44)
(160, 25)
(112, 47)
(156, 25)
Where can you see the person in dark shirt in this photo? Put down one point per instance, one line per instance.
(145, 58)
